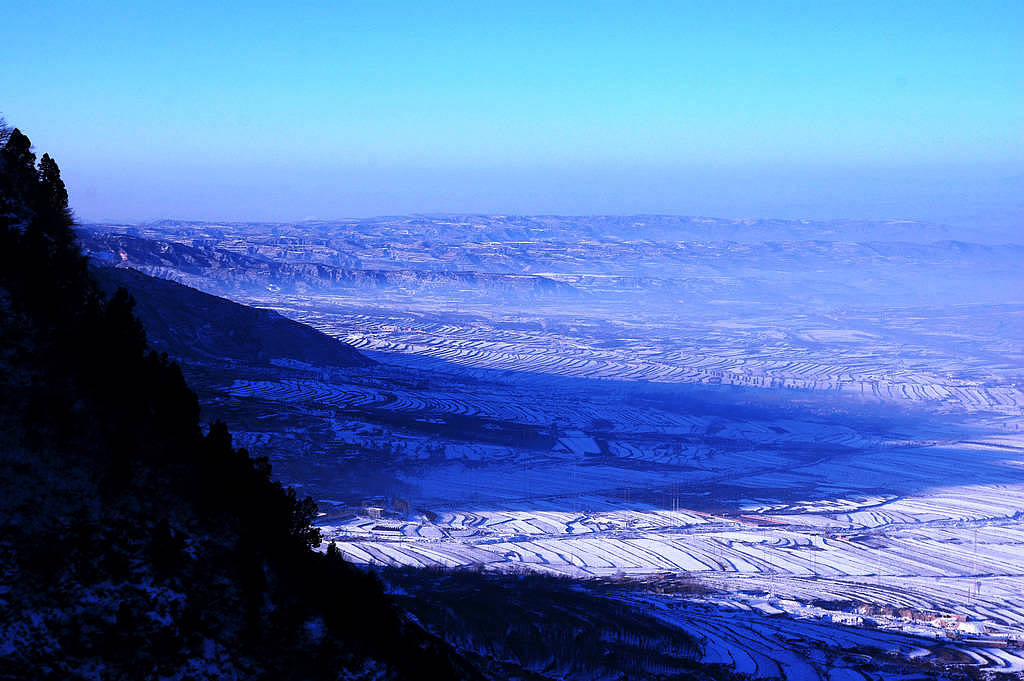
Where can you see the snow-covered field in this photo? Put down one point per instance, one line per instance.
(901, 360)
(776, 506)
(828, 434)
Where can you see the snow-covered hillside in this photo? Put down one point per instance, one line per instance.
(820, 423)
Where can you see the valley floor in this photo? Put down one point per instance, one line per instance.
(818, 424)
(815, 522)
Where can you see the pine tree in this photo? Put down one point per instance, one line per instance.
(107, 433)
(51, 200)
(18, 177)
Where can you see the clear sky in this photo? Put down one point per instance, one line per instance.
(214, 110)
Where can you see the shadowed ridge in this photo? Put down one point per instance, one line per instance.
(187, 323)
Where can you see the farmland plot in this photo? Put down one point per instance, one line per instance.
(825, 433)
(787, 504)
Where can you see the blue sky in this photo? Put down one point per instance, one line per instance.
(331, 109)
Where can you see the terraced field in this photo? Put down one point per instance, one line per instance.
(797, 501)
(826, 434)
(901, 363)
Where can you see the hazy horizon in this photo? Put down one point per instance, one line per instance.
(590, 340)
(866, 111)
(970, 207)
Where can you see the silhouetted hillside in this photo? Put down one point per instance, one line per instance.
(186, 323)
(132, 543)
(585, 633)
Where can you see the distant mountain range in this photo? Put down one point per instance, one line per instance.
(519, 261)
(225, 272)
(462, 228)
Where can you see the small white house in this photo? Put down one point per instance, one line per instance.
(847, 618)
(577, 443)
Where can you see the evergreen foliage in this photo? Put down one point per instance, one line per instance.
(133, 544)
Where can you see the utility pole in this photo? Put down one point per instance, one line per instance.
(976, 587)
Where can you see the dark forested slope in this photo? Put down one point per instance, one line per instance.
(187, 323)
(132, 543)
